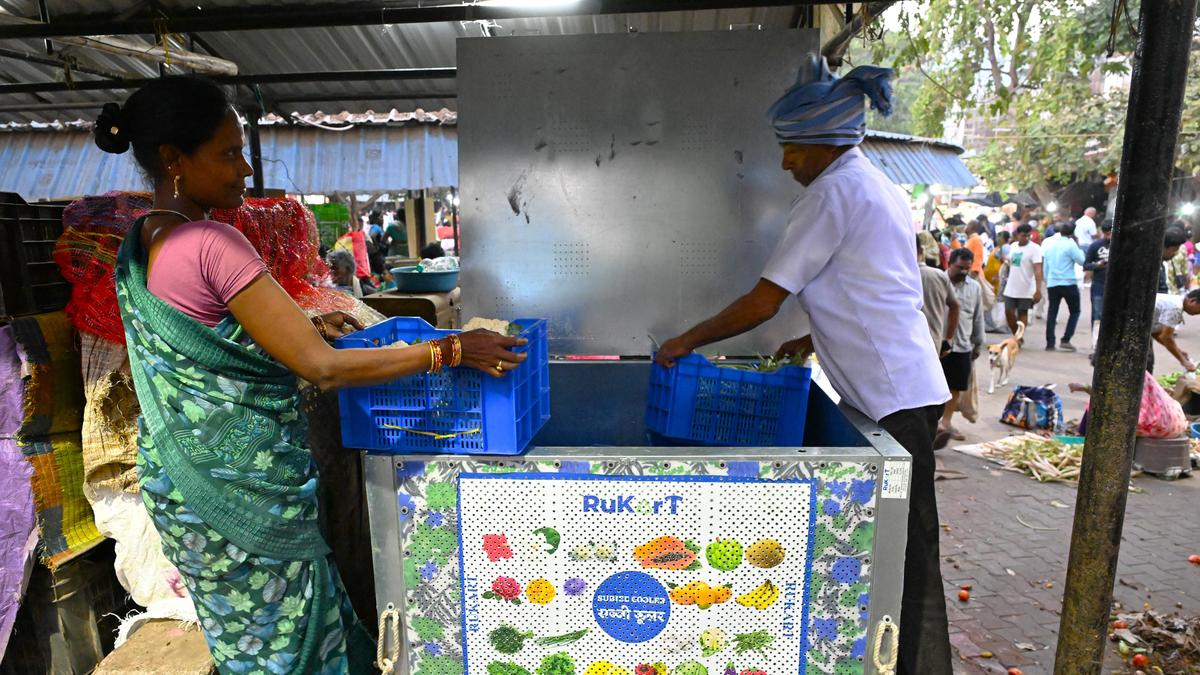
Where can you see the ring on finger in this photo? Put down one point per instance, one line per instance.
(500, 366)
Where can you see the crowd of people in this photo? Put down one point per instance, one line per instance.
(989, 273)
(358, 260)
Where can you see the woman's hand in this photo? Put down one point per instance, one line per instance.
(491, 352)
(334, 325)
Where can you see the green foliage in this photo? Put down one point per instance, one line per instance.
(1025, 66)
(1056, 134)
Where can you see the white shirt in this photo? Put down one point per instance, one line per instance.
(1085, 231)
(848, 255)
(1022, 282)
(1168, 310)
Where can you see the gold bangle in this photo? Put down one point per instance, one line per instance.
(437, 356)
(455, 351)
(433, 362)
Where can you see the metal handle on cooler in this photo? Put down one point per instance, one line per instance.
(388, 664)
(884, 627)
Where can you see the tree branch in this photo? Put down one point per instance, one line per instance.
(921, 68)
(989, 33)
(1015, 66)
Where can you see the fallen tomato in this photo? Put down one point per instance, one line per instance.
(1015, 671)
(1119, 625)
(1194, 559)
(964, 595)
(1140, 660)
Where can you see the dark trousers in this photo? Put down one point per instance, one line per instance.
(1097, 302)
(1056, 294)
(924, 631)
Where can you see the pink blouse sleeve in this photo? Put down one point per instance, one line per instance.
(228, 263)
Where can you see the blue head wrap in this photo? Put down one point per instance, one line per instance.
(821, 109)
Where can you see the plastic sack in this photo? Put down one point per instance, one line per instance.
(968, 401)
(1034, 408)
(1160, 416)
(444, 264)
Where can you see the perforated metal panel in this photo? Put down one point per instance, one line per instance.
(623, 185)
(569, 546)
(613, 564)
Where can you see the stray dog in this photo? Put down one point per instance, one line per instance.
(1003, 356)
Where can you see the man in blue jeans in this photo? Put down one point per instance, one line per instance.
(1060, 255)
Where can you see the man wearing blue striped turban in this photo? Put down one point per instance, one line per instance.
(847, 256)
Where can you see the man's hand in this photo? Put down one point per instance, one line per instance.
(976, 352)
(945, 349)
(798, 350)
(745, 313)
(671, 351)
(1037, 296)
(1186, 362)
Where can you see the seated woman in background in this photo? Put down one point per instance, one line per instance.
(216, 347)
(341, 272)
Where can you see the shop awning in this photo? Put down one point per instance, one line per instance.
(910, 160)
(368, 158)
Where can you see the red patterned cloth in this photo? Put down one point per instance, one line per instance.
(283, 231)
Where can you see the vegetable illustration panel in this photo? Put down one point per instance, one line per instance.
(635, 574)
(839, 586)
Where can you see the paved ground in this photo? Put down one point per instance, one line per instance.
(1018, 569)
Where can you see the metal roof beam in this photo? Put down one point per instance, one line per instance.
(264, 78)
(321, 98)
(357, 14)
(58, 62)
(47, 107)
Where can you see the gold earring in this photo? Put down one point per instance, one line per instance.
(177, 185)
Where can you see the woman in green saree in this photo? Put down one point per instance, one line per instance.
(215, 347)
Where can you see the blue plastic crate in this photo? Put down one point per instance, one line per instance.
(700, 402)
(458, 411)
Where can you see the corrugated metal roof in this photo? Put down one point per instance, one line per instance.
(297, 159)
(917, 161)
(442, 117)
(426, 45)
(373, 156)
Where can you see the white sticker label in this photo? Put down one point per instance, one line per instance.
(896, 476)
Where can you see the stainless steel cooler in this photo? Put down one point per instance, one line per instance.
(837, 506)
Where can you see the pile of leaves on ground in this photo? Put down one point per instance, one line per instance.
(1156, 643)
(1043, 459)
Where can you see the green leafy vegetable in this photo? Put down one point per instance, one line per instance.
(1168, 381)
(559, 663)
(690, 668)
(759, 641)
(505, 668)
(552, 538)
(564, 639)
(508, 640)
